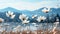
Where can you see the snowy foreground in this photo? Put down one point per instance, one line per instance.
(18, 28)
(32, 32)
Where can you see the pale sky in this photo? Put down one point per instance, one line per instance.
(28, 4)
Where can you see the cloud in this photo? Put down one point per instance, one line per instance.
(24, 0)
(28, 5)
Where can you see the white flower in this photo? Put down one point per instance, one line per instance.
(46, 10)
(25, 22)
(10, 14)
(23, 17)
(1, 20)
(41, 18)
(34, 16)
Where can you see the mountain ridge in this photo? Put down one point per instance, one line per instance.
(27, 12)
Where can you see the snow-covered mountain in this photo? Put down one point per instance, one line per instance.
(53, 11)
